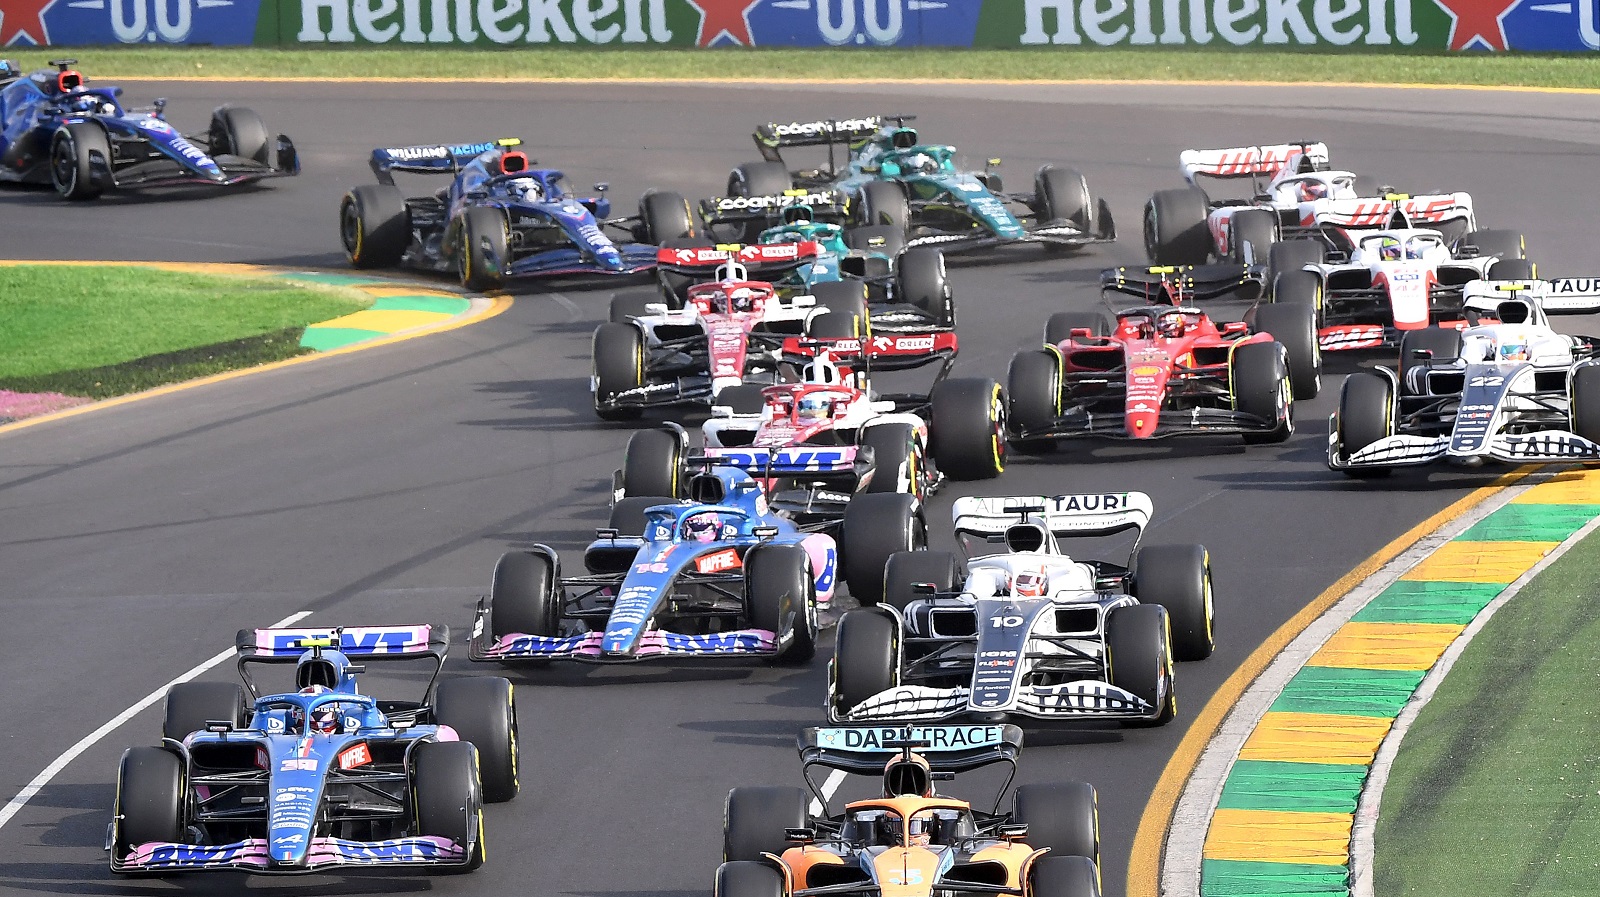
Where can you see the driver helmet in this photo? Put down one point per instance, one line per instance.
(742, 299)
(821, 370)
(813, 408)
(918, 834)
(1031, 584)
(526, 189)
(1310, 191)
(1389, 249)
(324, 719)
(1172, 325)
(702, 527)
(88, 104)
(921, 163)
(1514, 349)
(9, 69)
(797, 214)
(903, 138)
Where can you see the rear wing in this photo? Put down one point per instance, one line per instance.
(1086, 514)
(863, 750)
(1559, 296)
(1253, 161)
(1394, 210)
(825, 205)
(896, 351)
(1180, 284)
(437, 158)
(767, 258)
(773, 136)
(363, 643)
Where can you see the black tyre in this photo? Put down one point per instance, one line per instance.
(618, 358)
(1586, 402)
(920, 280)
(1251, 235)
(759, 179)
(1297, 286)
(448, 795)
(1513, 269)
(865, 659)
(908, 568)
(1175, 227)
(632, 304)
(1366, 415)
(665, 216)
(1178, 577)
(1443, 342)
(876, 526)
(1261, 386)
(1294, 326)
(1138, 656)
(1058, 329)
(1062, 816)
(627, 515)
(375, 226)
(884, 203)
(883, 238)
(894, 454)
(653, 464)
(1033, 391)
(846, 298)
(525, 596)
(744, 398)
(1062, 194)
(190, 705)
(80, 160)
(968, 428)
(481, 258)
(1063, 876)
(1293, 255)
(238, 131)
(150, 799)
(834, 325)
(748, 878)
(754, 819)
(483, 711)
(1505, 244)
(780, 595)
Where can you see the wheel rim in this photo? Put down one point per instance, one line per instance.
(350, 231)
(64, 164)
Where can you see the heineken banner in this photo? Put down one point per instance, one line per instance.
(1473, 25)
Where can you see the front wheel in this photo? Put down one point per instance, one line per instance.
(482, 256)
(1294, 326)
(448, 796)
(781, 597)
(1366, 415)
(865, 660)
(150, 800)
(618, 358)
(747, 878)
(1139, 657)
(968, 429)
(525, 595)
(920, 280)
(1261, 388)
(238, 131)
(1063, 816)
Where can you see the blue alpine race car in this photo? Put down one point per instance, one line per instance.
(54, 130)
(717, 574)
(499, 218)
(322, 776)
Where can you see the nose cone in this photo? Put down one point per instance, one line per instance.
(620, 639)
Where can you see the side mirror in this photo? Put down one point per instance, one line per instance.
(764, 532)
(924, 588)
(1422, 354)
(605, 532)
(992, 163)
(1012, 831)
(800, 835)
(220, 726)
(602, 187)
(722, 411)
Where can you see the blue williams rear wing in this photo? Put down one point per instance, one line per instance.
(434, 158)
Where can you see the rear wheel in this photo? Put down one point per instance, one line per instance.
(1063, 876)
(968, 428)
(618, 357)
(754, 819)
(1251, 234)
(483, 712)
(876, 526)
(865, 662)
(1505, 244)
(908, 568)
(1178, 577)
(1138, 656)
(1366, 415)
(1062, 816)
(653, 464)
(920, 280)
(1259, 376)
(1033, 389)
(1294, 326)
(80, 152)
(758, 179)
(150, 799)
(375, 226)
(748, 878)
(482, 256)
(190, 705)
(1443, 342)
(1586, 402)
(848, 300)
(1513, 269)
(448, 795)
(238, 131)
(1058, 329)
(884, 203)
(627, 515)
(665, 216)
(781, 597)
(743, 398)
(894, 453)
(632, 304)
(525, 596)
(1175, 227)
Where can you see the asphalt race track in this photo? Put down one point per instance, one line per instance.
(381, 486)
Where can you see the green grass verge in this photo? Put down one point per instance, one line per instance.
(1496, 789)
(1518, 69)
(109, 330)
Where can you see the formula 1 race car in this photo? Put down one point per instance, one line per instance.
(1030, 631)
(54, 130)
(1162, 371)
(500, 218)
(323, 776)
(1508, 388)
(893, 179)
(909, 840)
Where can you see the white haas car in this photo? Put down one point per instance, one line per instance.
(1023, 628)
(728, 331)
(1509, 388)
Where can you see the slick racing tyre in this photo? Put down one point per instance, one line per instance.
(630, 304)
(1178, 577)
(665, 216)
(80, 160)
(448, 795)
(1294, 326)
(1259, 375)
(877, 525)
(375, 226)
(1058, 328)
(754, 819)
(780, 596)
(743, 398)
(1062, 194)
(1443, 342)
(238, 131)
(748, 878)
(884, 203)
(1033, 389)
(757, 179)
(920, 280)
(1175, 227)
(482, 711)
(865, 659)
(1138, 657)
(525, 595)
(1062, 816)
(906, 569)
(894, 458)
(191, 705)
(482, 257)
(1505, 244)
(1251, 235)
(1293, 255)
(848, 300)
(1513, 269)
(653, 464)
(618, 358)
(1366, 415)
(1063, 876)
(968, 428)
(1586, 402)
(150, 800)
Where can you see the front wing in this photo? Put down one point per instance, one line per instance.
(653, 644)
(1403, 450)
(1081, 424)
(636, 259)
(251, 855)
(1083, 699)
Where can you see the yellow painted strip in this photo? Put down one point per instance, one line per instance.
(1315, 738)
(1386, 646)
(1479, 561)
(400, 290)
(1275, 836)
(1570, 488)
(1144, 864)
(389, 320)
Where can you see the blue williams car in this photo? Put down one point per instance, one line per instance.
(323, 776)
(54, 130)
(719, 574)
(500, 218)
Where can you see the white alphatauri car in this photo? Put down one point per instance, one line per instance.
(1508, 388)
(1023, 628)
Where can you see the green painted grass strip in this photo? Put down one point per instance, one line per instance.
(1299, 787)
(1236, 878)
(1429, 602)
(1349, 692)
(1530, 523)
(338, 280)
(322, 339)
(445, 305)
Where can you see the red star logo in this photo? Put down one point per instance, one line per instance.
(1472, 20)
(23, 18)
(717, 17)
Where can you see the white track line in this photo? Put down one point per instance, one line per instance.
(830, 785)
(72, 753)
